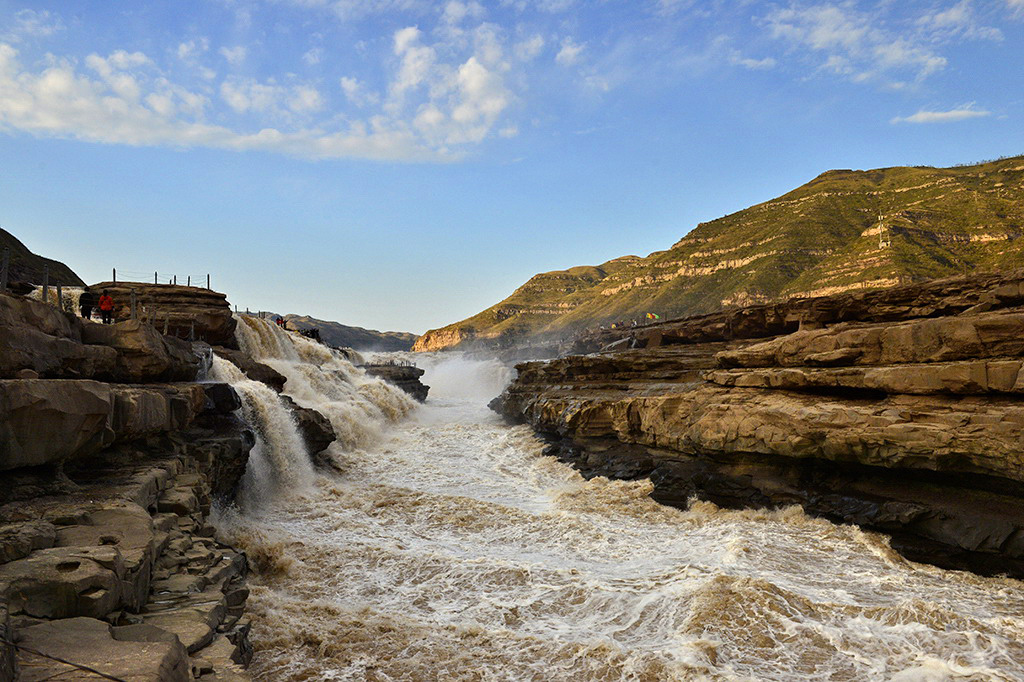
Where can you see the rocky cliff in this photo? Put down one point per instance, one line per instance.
(342, 336)
(896, 410)
(844, 230)
(111, 455)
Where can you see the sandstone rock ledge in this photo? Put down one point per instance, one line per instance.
(110, 457)
(910, 423)
(405, 377)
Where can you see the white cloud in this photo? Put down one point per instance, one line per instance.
(455, 12)
(529, 49)
(960, 113)
(570, 52)
(436, 105)
(313, 56)
(1016, 7)
(249, 95)
(853, 43)
(30, 23)
(737, 59)
(192, 49)
(234, 55)
(357, 93)
(956, 21)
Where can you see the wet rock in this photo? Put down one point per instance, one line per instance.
(317, 431)
(133, 653)
(221, 399)
(254, 370)
(8, 654)
(405, 377)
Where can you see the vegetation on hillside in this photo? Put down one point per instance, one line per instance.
(842, 230)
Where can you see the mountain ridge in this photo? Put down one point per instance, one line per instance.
(842, 230)
(357, 338)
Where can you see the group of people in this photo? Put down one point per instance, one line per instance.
(105, 304)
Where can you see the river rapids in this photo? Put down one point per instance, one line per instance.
(444, 546)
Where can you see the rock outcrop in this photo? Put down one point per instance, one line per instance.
(405, 377)
(906, 422)
(111, 455)
(190, 313)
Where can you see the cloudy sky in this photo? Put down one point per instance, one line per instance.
(402, 164)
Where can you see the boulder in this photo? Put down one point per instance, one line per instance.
(190, 313)
(405, 377)
(144, 355)
(135, 653)
(18, 540)
(316, 429)
(221, 399)
(127, 527)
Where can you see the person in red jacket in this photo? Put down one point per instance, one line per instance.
(106, 307)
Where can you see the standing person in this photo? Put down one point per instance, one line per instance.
(86, 302)
(106, 307)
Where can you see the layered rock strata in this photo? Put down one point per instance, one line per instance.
(111, 455)
(113, 565)
(908, 422)
(183, 312)
(405, 377)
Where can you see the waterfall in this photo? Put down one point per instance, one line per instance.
(279, 462)
(357, 405)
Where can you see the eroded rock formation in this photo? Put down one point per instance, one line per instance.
(111, 455)
(405, 377)
(178, 311)
(897, 410)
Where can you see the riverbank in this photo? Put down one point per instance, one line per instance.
(896, 410)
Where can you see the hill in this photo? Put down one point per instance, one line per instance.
(28, 267)
(843, 230)
(336, 334)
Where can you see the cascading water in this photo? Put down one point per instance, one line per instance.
(357, 405)
(279, 462)
(449, 548)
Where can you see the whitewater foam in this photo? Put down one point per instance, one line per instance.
(449, 548)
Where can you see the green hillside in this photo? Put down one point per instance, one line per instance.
(821, 238)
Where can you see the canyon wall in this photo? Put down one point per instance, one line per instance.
(896, 410)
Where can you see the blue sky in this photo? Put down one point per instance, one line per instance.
(402, 164)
